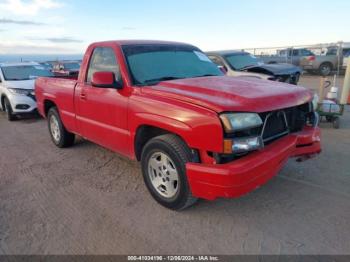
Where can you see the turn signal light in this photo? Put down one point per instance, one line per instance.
(228, 143)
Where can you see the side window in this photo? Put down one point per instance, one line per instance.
(295, 52)
(216, 60)
(103, 60)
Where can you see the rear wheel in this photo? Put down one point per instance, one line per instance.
(59, 134)
(163, 163)
(8, 109)
(325, 69)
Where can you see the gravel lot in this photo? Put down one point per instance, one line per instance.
(88, 200)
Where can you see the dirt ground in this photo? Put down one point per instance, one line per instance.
(88, 200)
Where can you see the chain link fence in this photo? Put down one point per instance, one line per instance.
(324, 59)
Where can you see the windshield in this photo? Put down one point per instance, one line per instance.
(150, 64)
(71, 66)
(25, 72)
(241, 61)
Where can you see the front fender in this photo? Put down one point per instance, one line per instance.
(199, 127)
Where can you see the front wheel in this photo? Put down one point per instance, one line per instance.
(336, 123)
(59, 134)
(296, 79)
(8, 109)
(163, 163)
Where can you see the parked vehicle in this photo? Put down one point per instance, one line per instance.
(240, 63)
(47, 65)
(197, 133)
(289, 55)
(17, 87)
(66, 68)
(346, 59)
(326, 63)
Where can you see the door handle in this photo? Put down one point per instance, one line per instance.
(83, 96)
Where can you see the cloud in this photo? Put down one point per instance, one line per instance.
(63, 40)
(57, 40)
(128, 28)
(19, 22)
(32, 7)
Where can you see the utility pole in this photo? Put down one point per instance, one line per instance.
(346, 87)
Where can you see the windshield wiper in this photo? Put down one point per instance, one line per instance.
(205, 75)
(17, 79)
(247, 67)
(157, 80)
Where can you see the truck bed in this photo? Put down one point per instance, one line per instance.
(61, 89)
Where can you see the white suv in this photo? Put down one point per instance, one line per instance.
(17, 87)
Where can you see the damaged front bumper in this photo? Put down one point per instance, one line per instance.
(210, 181)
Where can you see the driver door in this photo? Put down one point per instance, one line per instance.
(102, 112)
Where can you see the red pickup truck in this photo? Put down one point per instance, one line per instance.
(197, 133)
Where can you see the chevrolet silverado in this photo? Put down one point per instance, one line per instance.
(196, 132)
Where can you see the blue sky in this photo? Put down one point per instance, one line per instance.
(68, 26)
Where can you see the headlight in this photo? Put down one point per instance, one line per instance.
(18, 91)
(315, 101)
(239, 121)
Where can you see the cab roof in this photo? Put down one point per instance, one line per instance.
(140, 42)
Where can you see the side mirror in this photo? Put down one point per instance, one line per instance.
(105, 80)
(223, 69)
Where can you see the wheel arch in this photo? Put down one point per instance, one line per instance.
(2, 101)
(47, 105)
(145, 133)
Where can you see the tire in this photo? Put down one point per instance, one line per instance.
(336, 123)
(325, 69)
(59, 134)
(329, 119)
(163, 157)
(8, 109)
(296, 79)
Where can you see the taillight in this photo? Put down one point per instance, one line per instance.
(311, 58)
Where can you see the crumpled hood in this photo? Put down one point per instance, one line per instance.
(225, 94)
(275, 69)
(25, 84)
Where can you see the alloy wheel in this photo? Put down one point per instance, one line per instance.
(163, 175)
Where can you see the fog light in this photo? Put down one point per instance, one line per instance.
(22, 106)
(246, 144)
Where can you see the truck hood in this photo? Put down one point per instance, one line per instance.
(225, 94)
(25, 84)
(275, 69)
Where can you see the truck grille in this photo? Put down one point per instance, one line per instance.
(282, 122)
(276, 124)
(279, 123)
